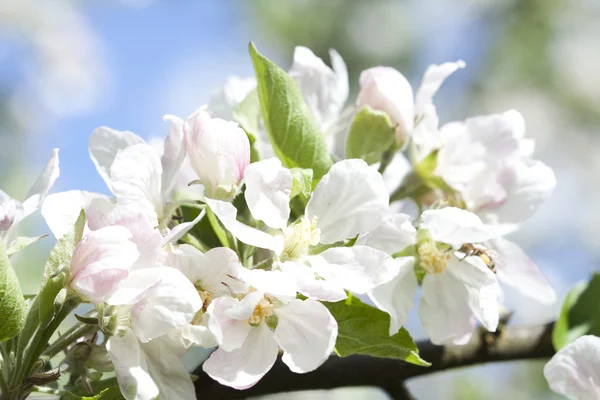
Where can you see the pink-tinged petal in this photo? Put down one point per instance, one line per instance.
(104, 145)
(42, 185)
(357, 268)
(219, 150)
(396, 296)
(306, 332)
(268, 190)
(517, 270)
(574, 371)
(455, 226)
(385, 89)
(243, 367)
(350, 199)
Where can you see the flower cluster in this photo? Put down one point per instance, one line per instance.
(203, 242)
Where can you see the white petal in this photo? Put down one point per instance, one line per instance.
(455, 226)
(482, 287)
(104, 145)
(173, 154)
(182, 229)
(276, 283)
(575, 370)
(306, 332)
(395, 233)
(231, 332)
(169, 304)
(131, 368)
(349, 200)
(234, 91)
(516, 269)
(167, 370)
(136, 180)
(101, 260)
(217, 271)
(311, 286)
(357, 268)
(199, 335)
(42, 185)
(61, 210)
(433, 78)
(243, 367)
(227, 214)
(268, 189)
(444, 310)
(528, 184)
(396, 296)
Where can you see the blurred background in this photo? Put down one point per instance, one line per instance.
(69, 66)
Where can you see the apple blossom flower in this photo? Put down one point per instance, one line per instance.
(12, 211)
(349, 200)
(250, 331)
(133, 170)
(219, 152)
(386, 89)
(574, 371)
(213, 274)
(225, 100)
(458, 287)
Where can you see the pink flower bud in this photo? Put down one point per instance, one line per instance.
(219, 152)
(385, 89)
(101, 261)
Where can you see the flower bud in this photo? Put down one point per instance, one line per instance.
(219, 152)
(385, 89)
(101, 261)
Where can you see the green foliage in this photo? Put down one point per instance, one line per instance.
(301, 182)
(12, 303)
(111, 393)
(56, 269)
(580, 313)
(363, 329)
(247, 114)
(292, 129)
(21, 242)
(371, 134)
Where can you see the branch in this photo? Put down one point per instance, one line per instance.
(509, 344)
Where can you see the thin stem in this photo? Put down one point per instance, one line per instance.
(195, 242)
(386, 159)
(219, 231)
(67, 339)
(4, 391)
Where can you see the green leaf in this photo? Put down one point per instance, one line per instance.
(301, 182)
(292, 129)
(580, 314)
(371, 134)
(12, 302)
(21, 242)
(55, 271)
(247, 114)
(363, 329)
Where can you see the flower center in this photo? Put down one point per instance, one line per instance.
(263, 310)
(299, 237)
(433, 259)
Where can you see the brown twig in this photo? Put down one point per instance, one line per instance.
(511, 344)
